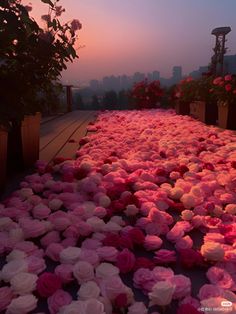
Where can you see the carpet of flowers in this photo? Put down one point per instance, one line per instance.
(142, 221)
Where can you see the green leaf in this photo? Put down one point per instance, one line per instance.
(48, 2)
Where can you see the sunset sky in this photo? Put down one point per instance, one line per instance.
(126, 36)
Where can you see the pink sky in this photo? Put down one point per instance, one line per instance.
(126, 36)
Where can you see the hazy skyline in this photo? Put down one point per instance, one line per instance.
(122, 37)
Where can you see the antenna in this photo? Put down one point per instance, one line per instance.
(217, 60)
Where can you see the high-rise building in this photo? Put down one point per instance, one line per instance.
(230, 64)
(156, 75)
(177, 74)
(138, 77)
(94, 85)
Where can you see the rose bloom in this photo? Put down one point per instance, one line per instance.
(152, 242)
(184, 243)
(70, 255)
(190, 258)
(187, 308)
(111, 287)
(213, 237)
(107, 253)
(6, 295)
(142, 277)
(212, 251)
(214, 305)
(13, 268)
(231, 209)
(22, 304)
(83, 272)
(162, 273)
(65, 273)
(105, 270)
(47, 284)
(187, 214)
(165, 257)
(137, 308)
(57, 300)
(143, 262)
(125, 261)
(88, 290)
(162, 293)
(220, 277)
(23, 283)
(182, 286)
(89, 256)
(83, 307)
(209, 291)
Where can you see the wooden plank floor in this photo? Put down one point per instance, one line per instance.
(61, 136)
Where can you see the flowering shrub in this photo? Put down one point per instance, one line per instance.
(224, 88)
(185, 90)
(146, 95)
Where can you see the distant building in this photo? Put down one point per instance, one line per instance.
(230, 64)
(138, 77)
(198, 73)
(94, 85)
(176, 74)
(155, 75)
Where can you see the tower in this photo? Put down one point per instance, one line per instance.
(217, 60)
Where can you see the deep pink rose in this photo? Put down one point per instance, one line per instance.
(6, 295)
(165, 257)
(111, 239)
(47, 284)
(57, 300)
(182, 286)
(143, 262)
(190, 258)
(121, 300)
(137, 236)
(187, 309)
(65, 273)
(125, 261)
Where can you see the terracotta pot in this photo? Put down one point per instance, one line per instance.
(182, 108)
(226, 115)
(3, 156)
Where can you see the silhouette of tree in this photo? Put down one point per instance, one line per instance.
(110, 100)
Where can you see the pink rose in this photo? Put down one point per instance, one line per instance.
(48, 284)
(162, 273)
(125, 261)
(83, 272)
(165, 257)
(111, 287)
(50, 237)
(184, 243)
(175, 234)
(91, 244)
(65, 273)
(36, 265)
(41, 211)
(107, 253)
(220, 277)
(57, 300)
(182, 286)
(142, 277)
(53, 251)
(6, 295)
(89, 256)
(152, 242)
(209, 291)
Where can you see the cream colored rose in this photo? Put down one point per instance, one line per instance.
(22, 305)
(162, 293)
(55, 204)
(83, 272)
(5, 223)
(70, 255)
(137, 308)
(88, 290)
(112, 227)
(212, 251)
(131, 210)
(26, 192)
(188, 200)
(94, 306)
(187, 215)
(13, 268)
(96, 223)
(176, 193)
(105, 270)
(24, 283)
(16, 235)
(15, 254)
(104, 201)
(231, 209)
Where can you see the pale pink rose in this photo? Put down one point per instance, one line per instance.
(36, 265)
(32, 228)
(155, 215)
(84, 228)
(137, 308)
(50, 237)
(65, 273)
(13, 268)
(6, 295)
(162, 273)
(152, 242)
(143, 277)
(111, 287)
(91, 244)
(209, 291)
(57, 300)
(89, 256)
(175, 234)
(59, 220)
(100, 212)
(15, 254)
(88, 290)
(69, 242)
(53, 251)
(107, 253)
(26, 246)
(182, 286)
(96, 223)
(105, 270)
(214, 237)
(41, 211)
(83, 272)
(184, 243)
(187, 214)
(71, 232)
(212, 251)
(220, 277)
(22, 304)
(74, 307)
(162, 293)
(70, 255)
(24, 283)
(112, 227)
(55, 204)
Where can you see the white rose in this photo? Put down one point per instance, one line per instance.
(16, 235)
(26, 192)
(94, 306)
(162, 293)
(24, 283)
(70, 255)
(176, 193)
(105, 270)
(22, 305)
(212, 251)
(83, 272)
(88, 290)
(74, 307)
(5, 223)
(188, 200)
(112, 227)
(131, 210)
(104, 201)
(13, 268)
(55, 204)
(187, 214)
(231, 209)
(96, 223)
(137, 308)
(15, 254)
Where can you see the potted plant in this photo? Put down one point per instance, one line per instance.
(184, 95)
(32, 59)
(204, 106)
(224, 88)
(146, 95)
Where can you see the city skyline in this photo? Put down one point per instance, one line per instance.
(125, 37)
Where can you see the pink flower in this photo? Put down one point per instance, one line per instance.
(217, 80)
(107, 253)
(111, 287)
(48, 284)
(65, 273)
(165, 257)
(209, 291)
(143, 262)
(184, 243)
(220, 277)
(57, 300)
(182, 286)
(187, 308)
(6, 295)
(36, 265)
(228, 77)
(50, 237)
(190, 258)
(162, 273)
(142, 277)
(125, 261)
(152, 242)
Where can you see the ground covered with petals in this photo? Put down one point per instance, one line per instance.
(142, 221)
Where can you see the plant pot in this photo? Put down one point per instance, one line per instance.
(205, 112)
(23, 143)
(3, 156)
(182, 108)
(226, 115)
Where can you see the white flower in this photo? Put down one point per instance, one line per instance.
(162, 293)
(105, 270)
(22, 305)
(83, 272)
(137, 308)
(212, 251)
(24, 283)
(187, 214)
(88, 290)
(15, 254)
(55, 204)
(70, 255)
(13, 268)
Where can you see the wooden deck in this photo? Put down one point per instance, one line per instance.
(60, 136)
